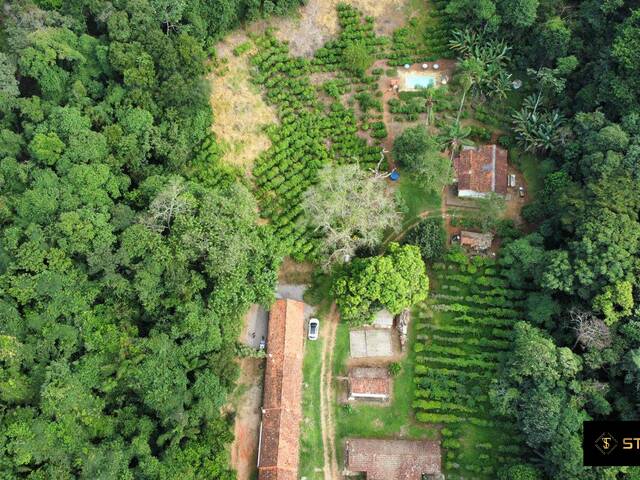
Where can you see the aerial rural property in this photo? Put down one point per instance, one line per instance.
(320, 240)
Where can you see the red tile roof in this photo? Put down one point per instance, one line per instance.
(369, 381)
(479, 241)
(393, 459)
(281, 409)
(482, 169)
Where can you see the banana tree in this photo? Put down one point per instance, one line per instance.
(537, 129)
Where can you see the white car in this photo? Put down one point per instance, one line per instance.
(314, 328)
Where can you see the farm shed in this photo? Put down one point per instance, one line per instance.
(476, 241)
(370, 342)
(481, 170)
(393, 459)
(369, 383)
(278, 450)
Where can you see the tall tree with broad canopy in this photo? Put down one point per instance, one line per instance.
(394, 281)
(419, 153)
(351, 209)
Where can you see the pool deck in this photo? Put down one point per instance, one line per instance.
(445, 71)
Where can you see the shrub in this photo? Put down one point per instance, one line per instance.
(331, 88)
(368, 102)
(394, 369)
(356, 57)
(520, 472)
(430, 237)
(242, 48)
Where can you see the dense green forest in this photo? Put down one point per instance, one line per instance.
(578, 355)
(125, 265)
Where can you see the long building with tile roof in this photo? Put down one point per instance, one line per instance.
(279, 448)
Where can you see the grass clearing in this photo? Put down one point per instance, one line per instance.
(416, 198)
(241, 114)
(311, 447)
(369, 420)
(533, 168)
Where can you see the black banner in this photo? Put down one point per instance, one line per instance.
(611, 443)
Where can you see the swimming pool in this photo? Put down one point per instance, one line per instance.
(415, 81)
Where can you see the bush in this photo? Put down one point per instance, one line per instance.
(368, 102)
(394, 369)
(520, 472)
(430, 237)
(242, 48)
(356, 58)
(331, 88)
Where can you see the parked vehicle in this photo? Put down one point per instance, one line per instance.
(263, 344)
(314, 328)
(521, 192)
(512, 180)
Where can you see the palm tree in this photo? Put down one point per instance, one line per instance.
(429, 102)
(473, 74)
(455, 138)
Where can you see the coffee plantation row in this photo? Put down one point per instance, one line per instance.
(462, 332)
(311, 133)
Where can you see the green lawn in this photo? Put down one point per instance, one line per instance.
(311, 448)
(372, 421)
(416, 198)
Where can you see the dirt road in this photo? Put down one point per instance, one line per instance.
(244, 449)
(327, 395)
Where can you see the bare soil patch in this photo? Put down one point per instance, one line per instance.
(327, 396)
(244, 449)
(292, 272)
(317, 22)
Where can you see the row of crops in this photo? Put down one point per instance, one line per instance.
(311, 134)
(463, 331)
(424, 39)
(353, 29)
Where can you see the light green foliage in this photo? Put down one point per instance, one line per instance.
(615, 302)
(419, 152)
(356, 57)
(46, 148)
(394, 281)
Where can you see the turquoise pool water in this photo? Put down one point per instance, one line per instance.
(414, 81)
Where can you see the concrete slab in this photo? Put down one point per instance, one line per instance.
(379, 343)
(370, 342)
(358, 343)
(296, 292)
